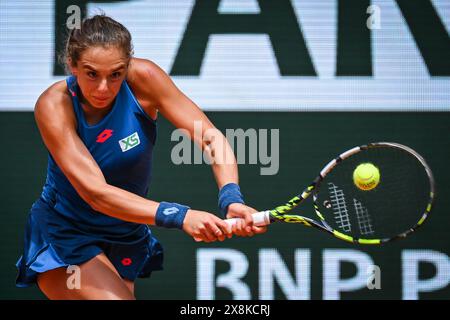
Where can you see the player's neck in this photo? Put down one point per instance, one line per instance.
(92, 114)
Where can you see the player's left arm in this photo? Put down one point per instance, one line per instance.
(184, 114)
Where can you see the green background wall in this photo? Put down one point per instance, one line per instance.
(307, 141)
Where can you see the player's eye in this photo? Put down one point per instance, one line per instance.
(92, 74)
(116, 75)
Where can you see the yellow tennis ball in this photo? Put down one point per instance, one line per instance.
(366, 176)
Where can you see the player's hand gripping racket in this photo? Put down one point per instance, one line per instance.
(371, 194)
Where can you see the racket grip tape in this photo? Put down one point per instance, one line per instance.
(260, 219)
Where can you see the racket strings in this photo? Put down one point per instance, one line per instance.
(339, 206)
(394, 206)
(365, 222)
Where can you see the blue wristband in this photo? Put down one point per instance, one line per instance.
(170, 215)
(230, 193)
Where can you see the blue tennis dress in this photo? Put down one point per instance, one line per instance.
(63, 230)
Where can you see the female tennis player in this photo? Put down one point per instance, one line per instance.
(99, 126)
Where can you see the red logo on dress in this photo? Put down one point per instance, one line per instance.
(126, 261)
(105, 135)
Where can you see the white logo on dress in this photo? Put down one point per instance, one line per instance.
(129, 142)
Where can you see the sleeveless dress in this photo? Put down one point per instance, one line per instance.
(63, 230)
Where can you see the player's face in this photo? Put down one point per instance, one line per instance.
(100, 72)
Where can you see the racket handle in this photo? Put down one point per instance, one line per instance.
(260, 219)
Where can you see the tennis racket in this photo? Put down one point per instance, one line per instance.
(398, 205)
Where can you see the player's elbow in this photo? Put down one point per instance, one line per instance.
(95, 195)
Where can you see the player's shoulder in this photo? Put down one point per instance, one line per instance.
(54, 101)
(54, 95)
(144, 71)
(141, 67)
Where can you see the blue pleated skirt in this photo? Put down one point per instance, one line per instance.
(53, 241)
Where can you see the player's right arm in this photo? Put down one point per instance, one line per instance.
(57, 124)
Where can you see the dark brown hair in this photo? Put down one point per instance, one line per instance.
(98, 30)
